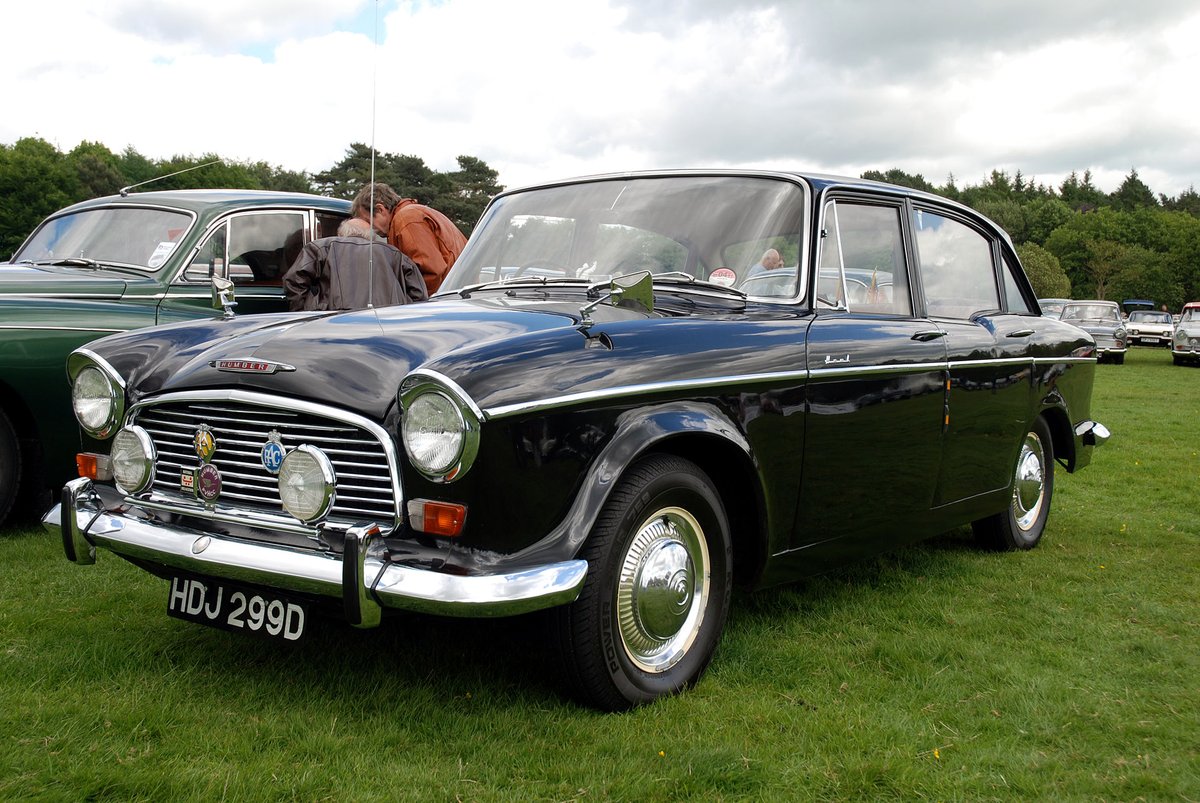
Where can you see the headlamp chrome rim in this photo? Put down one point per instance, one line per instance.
(82, 360)
(148, 457)
(468, 416)
(328, 480)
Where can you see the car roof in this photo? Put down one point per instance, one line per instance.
(818, 182)
(199, 200)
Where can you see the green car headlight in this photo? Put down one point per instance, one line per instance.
(439, 428)
(132, 458)
(97, 394)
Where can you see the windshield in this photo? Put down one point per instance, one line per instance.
(1091, 312)
(1192, 314)
(134, 237)
(709, 227)
(1149, 317)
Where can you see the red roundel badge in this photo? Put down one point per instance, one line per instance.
(208, 482)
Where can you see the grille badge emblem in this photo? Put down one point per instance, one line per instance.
(273, 452)
(204, 443)
(208, 482)
(248, 366)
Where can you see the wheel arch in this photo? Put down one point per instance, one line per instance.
(1062, 435)
(732, 472)
(696, 431)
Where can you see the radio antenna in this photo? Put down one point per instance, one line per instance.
(125, 190)
(371, 208)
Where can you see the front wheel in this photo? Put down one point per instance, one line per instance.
(657, 592)
(1021, 524)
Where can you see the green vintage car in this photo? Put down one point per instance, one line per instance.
(124, 262)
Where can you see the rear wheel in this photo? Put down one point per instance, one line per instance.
(657, 591)
(10, 466)
(1021, 524)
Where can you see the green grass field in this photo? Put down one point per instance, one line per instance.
(938, 672)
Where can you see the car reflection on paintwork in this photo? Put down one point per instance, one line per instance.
(1102, 320)
(587, 417)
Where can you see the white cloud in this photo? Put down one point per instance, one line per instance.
(541, 90)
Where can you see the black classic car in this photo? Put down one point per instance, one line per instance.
(592, 416)
(123, 262)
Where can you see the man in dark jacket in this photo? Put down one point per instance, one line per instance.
(354, 270)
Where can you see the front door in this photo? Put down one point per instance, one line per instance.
(876, 394)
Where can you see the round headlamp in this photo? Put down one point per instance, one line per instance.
(132, 458)
(306, 483)
(433, 432)
(97, 401)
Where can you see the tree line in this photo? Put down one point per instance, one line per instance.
(1078, 242)
(1074, 240)
(37, 179)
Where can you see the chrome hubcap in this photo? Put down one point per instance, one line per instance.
(1029, 485)
(663, 589)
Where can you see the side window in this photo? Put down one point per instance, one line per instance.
(263, 245)
(956, 266)
(1012, 290)
(327, 225)
(862, 265)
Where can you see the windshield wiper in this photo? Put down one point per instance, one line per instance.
(71, 262)
(513, 281)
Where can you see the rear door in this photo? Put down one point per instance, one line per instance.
(972, 294)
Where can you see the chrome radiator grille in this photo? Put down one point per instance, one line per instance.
(362, 462)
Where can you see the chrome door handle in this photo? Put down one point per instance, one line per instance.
(931, 334)
(1021, 333)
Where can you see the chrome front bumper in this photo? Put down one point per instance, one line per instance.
(362, 577)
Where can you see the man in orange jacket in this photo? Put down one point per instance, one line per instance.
(424, 234)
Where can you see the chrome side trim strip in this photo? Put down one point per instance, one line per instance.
(60, 328)
(505, 410)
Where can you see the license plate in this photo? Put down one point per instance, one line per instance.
(232, 607)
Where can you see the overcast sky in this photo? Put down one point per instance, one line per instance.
(545, 89)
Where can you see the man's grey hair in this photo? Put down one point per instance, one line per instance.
(355, 227)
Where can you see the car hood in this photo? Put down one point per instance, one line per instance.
(355, 360)
(62, 281)
(1097, 326)
(1189, 329)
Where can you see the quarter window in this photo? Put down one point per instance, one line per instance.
(1012, 290)
(956, 267)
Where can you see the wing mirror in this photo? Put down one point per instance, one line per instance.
(634, 290)
(223, 295)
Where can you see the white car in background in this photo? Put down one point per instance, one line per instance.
(1150, 328)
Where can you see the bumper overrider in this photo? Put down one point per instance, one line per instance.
(362, 577)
